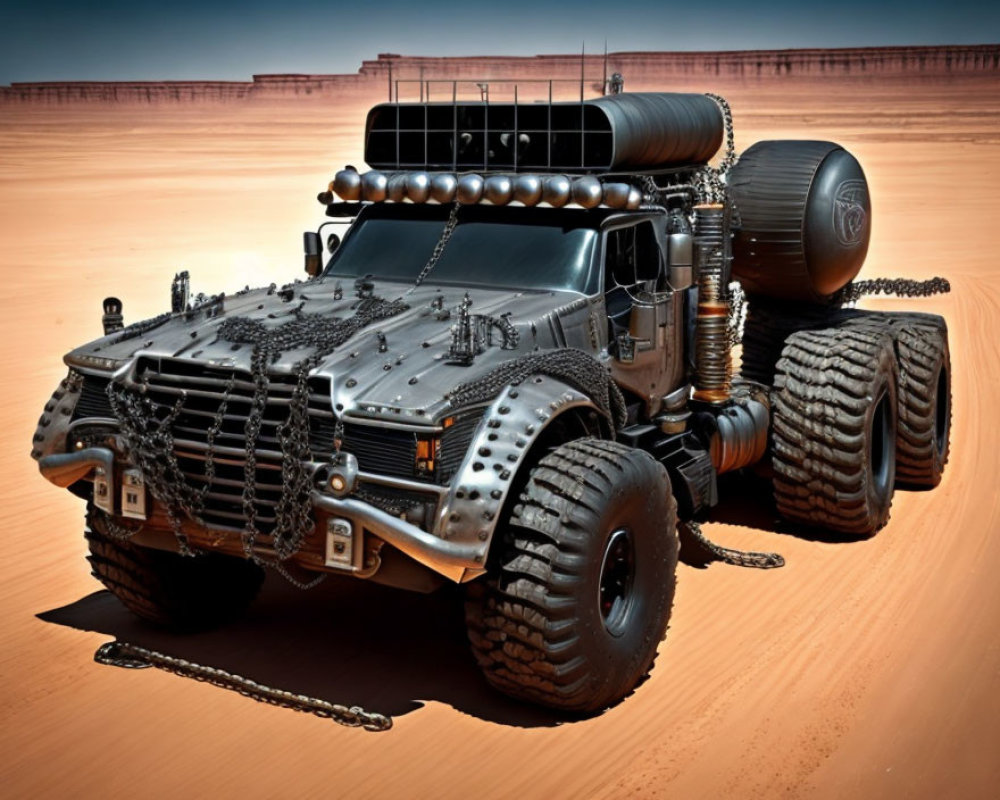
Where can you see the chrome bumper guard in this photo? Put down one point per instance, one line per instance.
(458, 562)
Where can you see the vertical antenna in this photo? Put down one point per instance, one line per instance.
(583, 67)
(604, 82)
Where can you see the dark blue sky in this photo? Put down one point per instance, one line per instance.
(180, 39)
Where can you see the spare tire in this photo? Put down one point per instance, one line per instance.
(803, 219)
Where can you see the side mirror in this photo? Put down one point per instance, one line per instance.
(313, 247)
(332, 243)
(112, 318)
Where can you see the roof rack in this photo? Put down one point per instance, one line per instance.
(638, 132)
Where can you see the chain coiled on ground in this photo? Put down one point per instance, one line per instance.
(729, 555)
(132, 656)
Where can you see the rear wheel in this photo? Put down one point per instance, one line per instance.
(924, 403)
(167, 589)
(835, 420)
(572, 614)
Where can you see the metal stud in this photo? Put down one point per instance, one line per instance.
(373, 186)
(470, 189)
(443, 186)
(498, 189)
(418, 186)
(616, 194)
(528, 189)
(556, 190)
(347, 184)
(395, 189)
(587, 192)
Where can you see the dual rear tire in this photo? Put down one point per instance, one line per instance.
(859, 408)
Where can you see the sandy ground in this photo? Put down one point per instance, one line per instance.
(865, 669)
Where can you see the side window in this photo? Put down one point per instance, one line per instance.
(632, 264)
(632, 258)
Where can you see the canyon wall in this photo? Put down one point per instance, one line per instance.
(413, 76)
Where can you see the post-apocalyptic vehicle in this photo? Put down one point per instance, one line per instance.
(512, 372)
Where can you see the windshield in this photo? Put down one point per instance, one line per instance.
(519, 248)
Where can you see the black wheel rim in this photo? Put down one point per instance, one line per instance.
(881, 453)
(941, 410)
(617, 577)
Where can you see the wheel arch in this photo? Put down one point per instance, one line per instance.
(517, 429)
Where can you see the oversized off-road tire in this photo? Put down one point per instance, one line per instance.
(923, 438)
(924, 429)
(168, 589)
(768, 325)
(834, 434)
(572, 613)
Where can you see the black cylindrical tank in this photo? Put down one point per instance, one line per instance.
(803, 219)
(660, 129)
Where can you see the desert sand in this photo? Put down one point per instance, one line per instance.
(861, 669)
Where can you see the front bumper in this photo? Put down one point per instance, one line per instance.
(456, 561)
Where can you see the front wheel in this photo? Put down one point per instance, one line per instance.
(167, 589)
(573, 612)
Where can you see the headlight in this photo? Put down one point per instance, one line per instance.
(94, 362)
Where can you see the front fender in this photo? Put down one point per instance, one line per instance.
(499, 448)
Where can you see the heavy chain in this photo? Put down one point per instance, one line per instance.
(132, 656)
(449, 229)
(575, 367)
(150, 441)
(149, 438)
(321, 335)
(900, 287)
(739, 558)
(114, 529)
(711, 180)
(139, 328)
(737, 318)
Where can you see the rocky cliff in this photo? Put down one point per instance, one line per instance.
(414, 76)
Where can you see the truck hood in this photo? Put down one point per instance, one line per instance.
(395, 368)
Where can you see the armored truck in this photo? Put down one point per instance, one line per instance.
(511, 370)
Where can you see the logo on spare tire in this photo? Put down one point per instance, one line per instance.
(850, 212)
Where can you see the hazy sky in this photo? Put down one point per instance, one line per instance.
(180, 39)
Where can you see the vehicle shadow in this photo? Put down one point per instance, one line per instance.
(345, 642)
(747, 500)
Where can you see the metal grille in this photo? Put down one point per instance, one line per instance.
(383, 451)
(455, 443)
(93, 400)
(206, 389)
